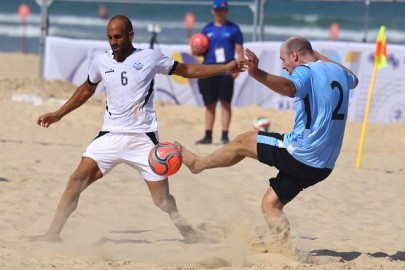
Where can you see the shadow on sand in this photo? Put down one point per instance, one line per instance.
(351, 255)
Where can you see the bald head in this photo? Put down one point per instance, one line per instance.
(298, 44)
(120, 34)
(124, 21)
(296, 51)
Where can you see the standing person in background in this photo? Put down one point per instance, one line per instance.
(225, 38)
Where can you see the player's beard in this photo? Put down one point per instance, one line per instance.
(121, 52)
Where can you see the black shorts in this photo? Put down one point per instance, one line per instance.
(293, 175)
(216, 88)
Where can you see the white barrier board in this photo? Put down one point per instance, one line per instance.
(69, 59)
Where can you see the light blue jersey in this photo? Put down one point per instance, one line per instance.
(321, 104)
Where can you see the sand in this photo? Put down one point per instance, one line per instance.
(352, 220)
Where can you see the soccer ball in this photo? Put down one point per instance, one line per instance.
(261, 124)
(165, 159)
(199, 41)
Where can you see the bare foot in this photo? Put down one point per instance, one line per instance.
(191, 237)
(42, 237)
(185, 228)
(276, 244)
(189, 158)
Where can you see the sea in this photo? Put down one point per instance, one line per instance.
(357, 21)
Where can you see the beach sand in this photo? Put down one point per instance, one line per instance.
(352, 220)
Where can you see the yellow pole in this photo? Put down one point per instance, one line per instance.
(363, 130)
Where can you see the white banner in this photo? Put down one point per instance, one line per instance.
(69, 60)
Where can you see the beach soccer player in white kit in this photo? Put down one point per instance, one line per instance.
(130, 126)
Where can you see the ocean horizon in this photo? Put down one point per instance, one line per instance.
(312, 19)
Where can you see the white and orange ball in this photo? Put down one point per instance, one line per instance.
(165, 158)
(261, 124)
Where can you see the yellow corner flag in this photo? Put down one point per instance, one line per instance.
(380, 61)
(380, 56)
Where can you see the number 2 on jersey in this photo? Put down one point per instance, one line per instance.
(336, 115)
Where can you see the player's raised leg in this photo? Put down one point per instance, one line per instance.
(242, 146)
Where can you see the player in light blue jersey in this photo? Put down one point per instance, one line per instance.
(307, 154)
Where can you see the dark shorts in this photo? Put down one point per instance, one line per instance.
(293, 175)
(216, 88)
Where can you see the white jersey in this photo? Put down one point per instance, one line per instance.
(129, 88)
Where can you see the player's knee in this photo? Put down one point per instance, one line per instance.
(75, 177)
(245, 141)
(270, 201)
(79, 181)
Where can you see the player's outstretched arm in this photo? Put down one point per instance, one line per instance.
(79, 97)
(203, 71)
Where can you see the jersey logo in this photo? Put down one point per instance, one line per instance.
(138, 66)
(109, 71)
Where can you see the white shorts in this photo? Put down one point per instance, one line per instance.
(111, 149)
